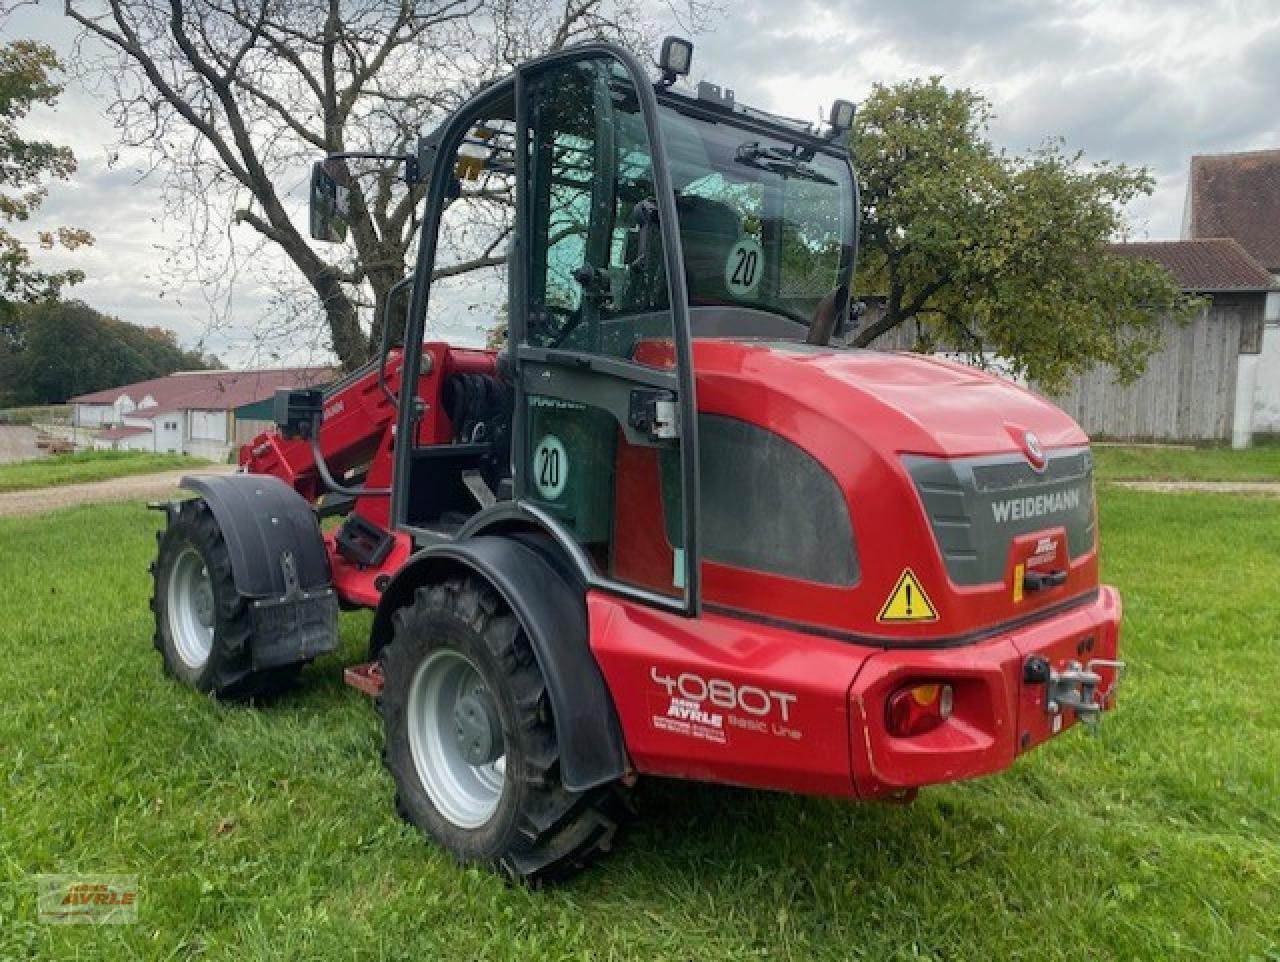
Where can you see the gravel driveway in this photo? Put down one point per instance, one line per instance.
(134, 488)
(1268, 489)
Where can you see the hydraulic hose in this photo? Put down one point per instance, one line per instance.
(328, 480)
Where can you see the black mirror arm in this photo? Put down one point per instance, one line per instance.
(385, 349)
(827, 316)
(645, 217)
(412, 169)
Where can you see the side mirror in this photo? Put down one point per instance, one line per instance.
(330, 200)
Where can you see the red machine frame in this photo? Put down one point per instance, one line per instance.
(794, 700)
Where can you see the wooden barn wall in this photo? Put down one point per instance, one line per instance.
(1187, 393)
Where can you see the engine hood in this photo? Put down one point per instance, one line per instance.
(902, 402)
(942, 483)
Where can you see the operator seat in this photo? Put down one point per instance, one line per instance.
(708, 231)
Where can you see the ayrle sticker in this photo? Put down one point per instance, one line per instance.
(907, 601)
(682, 716)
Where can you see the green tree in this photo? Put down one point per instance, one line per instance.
(67, 348)
(234, 98)
(25, 167)
(989, 252)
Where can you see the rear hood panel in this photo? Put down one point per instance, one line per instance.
(946, 408)
(940, 481)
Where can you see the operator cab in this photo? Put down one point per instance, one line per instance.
(547, 237)
(767, 217)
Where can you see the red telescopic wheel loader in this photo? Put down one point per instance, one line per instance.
(669, 528)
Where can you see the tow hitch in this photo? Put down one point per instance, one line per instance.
(1075, 687)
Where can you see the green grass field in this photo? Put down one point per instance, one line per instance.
(269, 833)
(1124, 463)
(87, 466)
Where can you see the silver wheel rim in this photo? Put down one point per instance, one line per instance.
(466, 794)
(190, 608)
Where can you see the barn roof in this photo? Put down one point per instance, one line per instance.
(1211, 266)
(1238, 195)
(210, 390)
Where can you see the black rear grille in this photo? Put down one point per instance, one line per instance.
(1007, 475)
(976, 506)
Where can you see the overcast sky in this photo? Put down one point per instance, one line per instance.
(1147, 83)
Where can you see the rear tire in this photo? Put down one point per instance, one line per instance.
(202, 624)
(471, 743)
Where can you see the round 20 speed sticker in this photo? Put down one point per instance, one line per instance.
(550, 467)
(743, 268)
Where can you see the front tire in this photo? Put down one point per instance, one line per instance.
(202, 623)
(470, 740)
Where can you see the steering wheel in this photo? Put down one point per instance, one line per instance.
(572, 318)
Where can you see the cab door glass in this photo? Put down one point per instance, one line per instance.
(599, 342)
(597, 281)
(469, 286)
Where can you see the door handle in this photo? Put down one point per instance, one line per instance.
(655, 413)
(1035, 580)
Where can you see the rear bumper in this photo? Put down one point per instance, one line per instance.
(997, 714)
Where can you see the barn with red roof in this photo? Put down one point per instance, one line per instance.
(190, 412)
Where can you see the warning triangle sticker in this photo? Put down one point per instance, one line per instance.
(908, 602)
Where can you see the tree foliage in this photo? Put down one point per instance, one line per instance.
(985, 252)
(53, 350)
(26, 70)
(235, 98)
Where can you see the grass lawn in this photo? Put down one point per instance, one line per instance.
(87, 466)
(269, 833)
(1122, 463)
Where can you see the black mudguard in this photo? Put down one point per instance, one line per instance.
(261, 519)
(553, 613)
(278, 562)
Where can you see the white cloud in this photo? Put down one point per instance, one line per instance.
(1146, 82)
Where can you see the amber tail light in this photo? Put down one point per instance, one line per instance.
(918, 708)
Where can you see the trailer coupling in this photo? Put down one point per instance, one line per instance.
(1075, 687)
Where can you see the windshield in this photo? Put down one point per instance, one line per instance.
(763, 224)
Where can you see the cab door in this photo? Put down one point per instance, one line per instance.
(605, 403)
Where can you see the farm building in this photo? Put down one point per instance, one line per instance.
(193, 412)
(1238, 195)
(1202, 384)
(1218, 377)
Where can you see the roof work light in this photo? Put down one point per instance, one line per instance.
(841, 118)
(675, 59)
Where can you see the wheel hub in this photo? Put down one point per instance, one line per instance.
(455, 738)
(476, 724)
(203, 602)
(190, 606)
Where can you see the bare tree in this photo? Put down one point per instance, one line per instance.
(234, 98)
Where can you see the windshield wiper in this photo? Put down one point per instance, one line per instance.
(778, 160)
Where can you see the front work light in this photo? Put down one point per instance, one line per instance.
(675, 59)
(841, 118)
